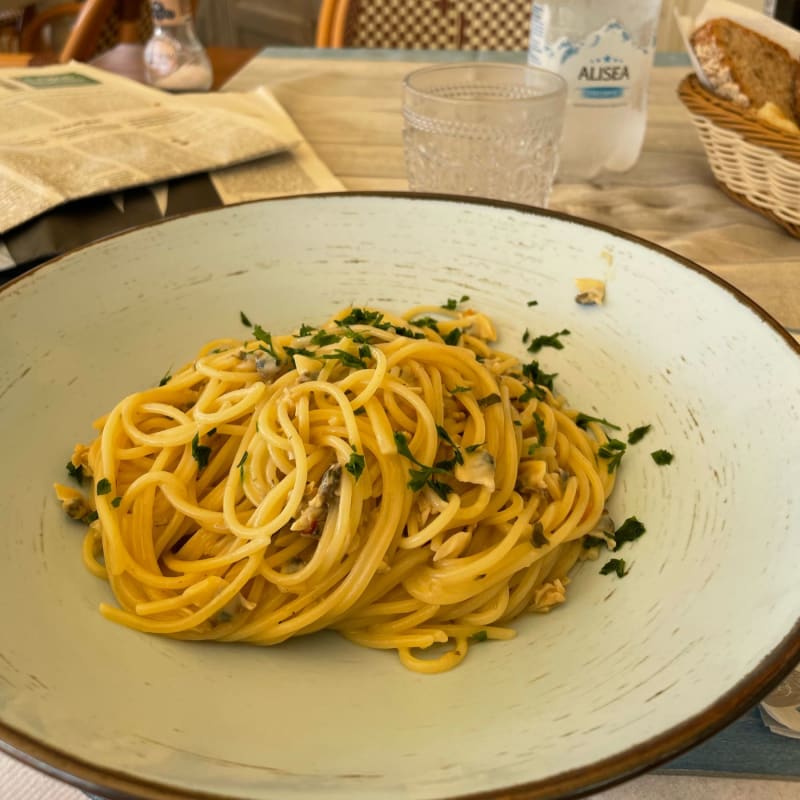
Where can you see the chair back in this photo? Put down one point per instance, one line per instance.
(103, 24)
(12, 21)
(425, 24)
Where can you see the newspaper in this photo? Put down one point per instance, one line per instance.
(297, 172)
(781, 708)
(79, 222)
(71, 131)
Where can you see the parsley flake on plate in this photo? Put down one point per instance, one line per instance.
(548, 340)
(662, 457)
(637, 434)
(616, 566)
(629, 531)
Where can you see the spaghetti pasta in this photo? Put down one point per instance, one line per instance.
(395, 479)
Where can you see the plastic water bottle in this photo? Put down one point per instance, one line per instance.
(174, 59)
(604, 49)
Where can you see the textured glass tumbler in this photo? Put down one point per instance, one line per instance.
(489, 130)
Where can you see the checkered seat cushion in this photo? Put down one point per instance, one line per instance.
(438, 24)
(494, 24)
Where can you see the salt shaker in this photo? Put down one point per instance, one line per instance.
(174, 58)
(604, 49)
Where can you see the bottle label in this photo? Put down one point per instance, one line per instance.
(606, 68)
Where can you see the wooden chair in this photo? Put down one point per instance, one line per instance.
(425, 24)
(99, 26)
(12, 21)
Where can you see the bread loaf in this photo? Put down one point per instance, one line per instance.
(745, 67)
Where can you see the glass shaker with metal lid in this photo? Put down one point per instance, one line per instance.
(174, 58)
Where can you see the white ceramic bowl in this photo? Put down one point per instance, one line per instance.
(627, 674)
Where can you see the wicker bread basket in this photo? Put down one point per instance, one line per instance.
(756, 164)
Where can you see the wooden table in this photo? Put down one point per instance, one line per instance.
(349, 110)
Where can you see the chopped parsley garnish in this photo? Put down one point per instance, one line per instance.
(211, 432)
(360, 316)
(75, 472)
(613, 450)
(298, 351)
(582, 420)
(526, 337)
(539, 539)
(365, 351)
(322, 338)
(479, 636)
(473, 447)
(200, 452)
(548, 340)
(460, 389)
(305, 330)
(452, 303)
(637, 434)
(443, 434)
(532, 393)
(355, 466)
(490, 400)
(629, 531)
(89, 518)
(662, 457)
(266, 339)
(534, 372)
(354, 336)
(593, 541)
(240, 466)
(245, 320)
(615, 565)
(359, 411)
(408, 333)
(453, 337)
(103, 486)
(533, 303)
(424, 476)
(166, 379)
(541, 431)
(348, 359)
(116, 501)
(426, 322)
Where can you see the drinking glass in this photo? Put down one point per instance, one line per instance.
(489, 130)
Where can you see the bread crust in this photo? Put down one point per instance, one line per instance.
(747, 68)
